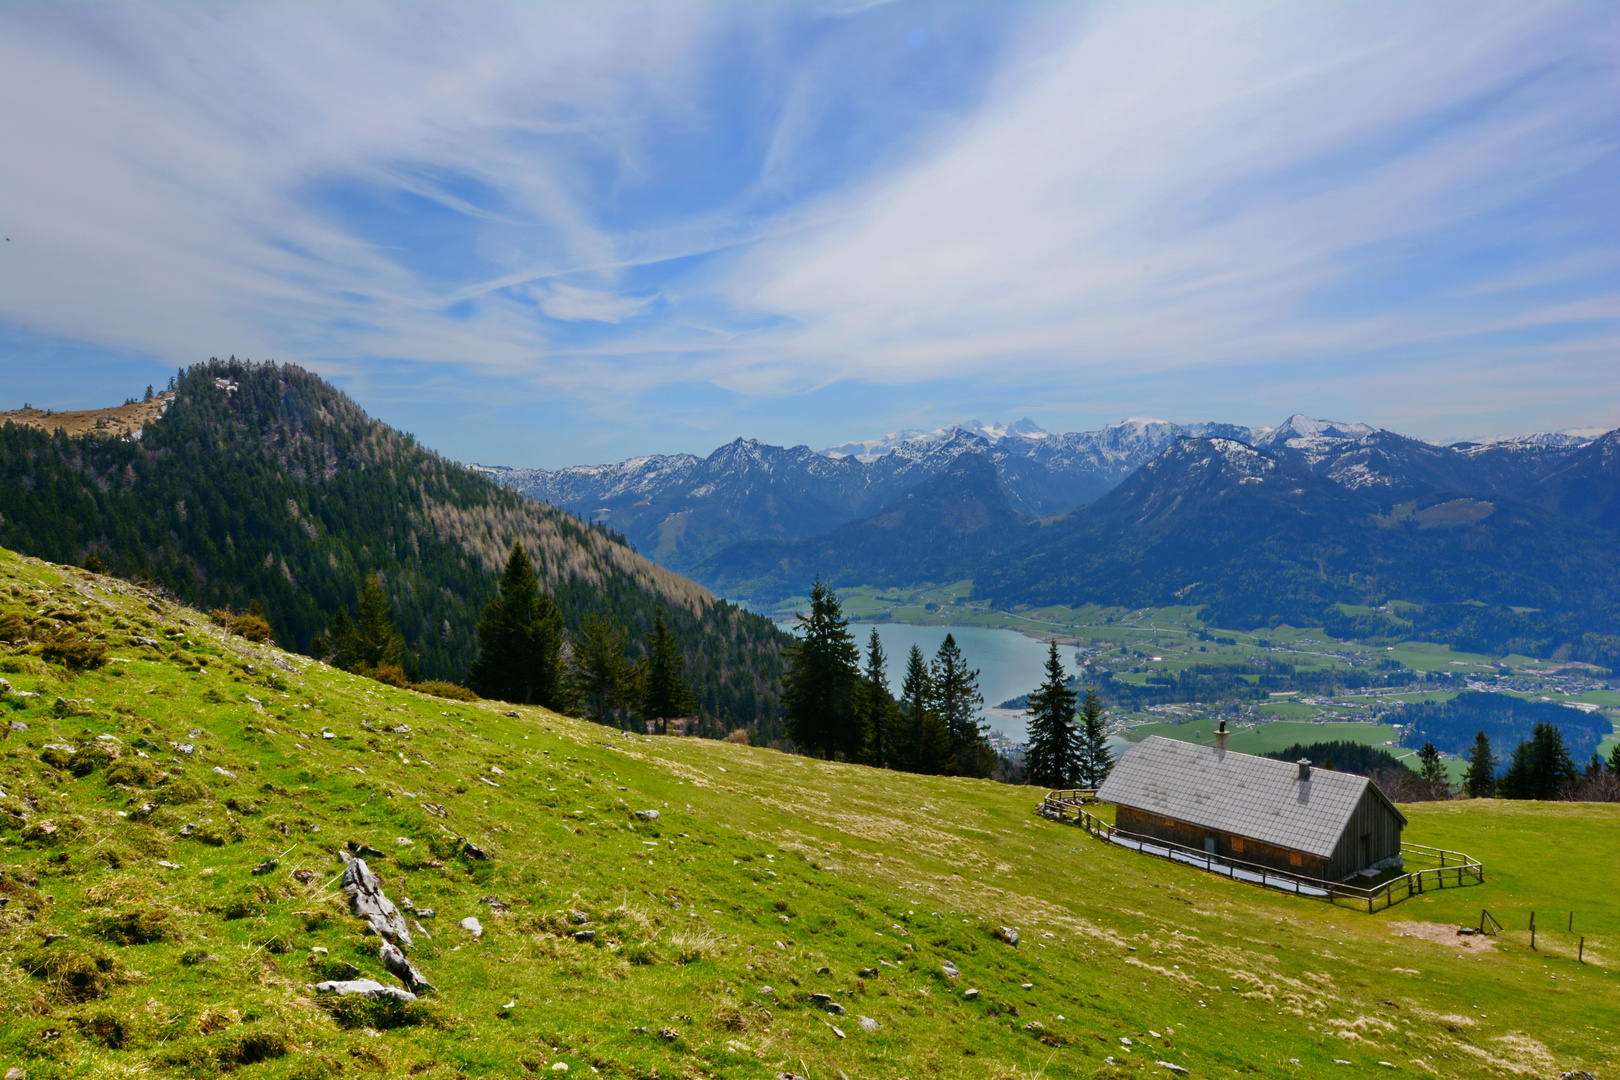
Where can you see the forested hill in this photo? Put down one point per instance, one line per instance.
(262, 484)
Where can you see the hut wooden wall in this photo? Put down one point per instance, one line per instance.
(1376, 822)
(1158, 827)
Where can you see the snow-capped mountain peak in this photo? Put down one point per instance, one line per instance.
(994, 432)
(1300, 428)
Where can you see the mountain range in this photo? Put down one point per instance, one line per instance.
(1302, 522)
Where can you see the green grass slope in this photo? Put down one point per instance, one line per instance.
(136, 938)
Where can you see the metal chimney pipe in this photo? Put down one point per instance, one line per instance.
(1220, 737)
(1304, 768)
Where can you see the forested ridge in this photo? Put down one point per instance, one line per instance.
(262, 484)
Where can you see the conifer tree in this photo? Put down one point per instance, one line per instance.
(1052, 754)
(1480, 780)
(665, 693)
(1614, 759)
(520, 638)
(1433, 770)
(922, 745)
(820, 690)
(1541, 767)
(376, 640)
(877, 705)
(958, 701)
(337, 646)
(369, 645)
(1096, 759)
(600, 670)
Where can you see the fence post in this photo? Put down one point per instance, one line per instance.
(1581, 956)
(1571, 922)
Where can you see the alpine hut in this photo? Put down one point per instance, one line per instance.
(1282, 815)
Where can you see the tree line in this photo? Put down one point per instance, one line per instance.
(1540, 767)
(838, 708)
(527, 657)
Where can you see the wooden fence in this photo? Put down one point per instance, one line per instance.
(1448, 869)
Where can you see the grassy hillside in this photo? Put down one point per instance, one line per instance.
(137, 938)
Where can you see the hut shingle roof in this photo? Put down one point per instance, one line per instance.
(1253, 797)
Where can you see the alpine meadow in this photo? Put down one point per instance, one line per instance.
(805, 541)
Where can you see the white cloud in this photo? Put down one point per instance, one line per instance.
(1185, 186)
(572, 303)
(1144, 189)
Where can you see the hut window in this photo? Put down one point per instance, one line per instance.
(1237, 843)
(1295, 859)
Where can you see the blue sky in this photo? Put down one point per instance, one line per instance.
(555, 233)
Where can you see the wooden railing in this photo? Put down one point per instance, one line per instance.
(1453, 868)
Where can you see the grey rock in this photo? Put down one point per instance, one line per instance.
(18, 725)
(417, 927)
(366, 988)
(835, 1008)
(1172, 1067)
(970, 994)
(189, 830)
(5, 686)
(226, 773)
(578, 918)
(950, 970)
(266, 867)
(147, 744)
(474, 853)
(185, 748)
(496, 904)
(366, 900)
(821, 999)
(584, 935)
(867, 1023)
(402, 969)
(647, 815)
(823, 971)
(472, 926)
(425, 913)
(766, 990)
(365, 851)
(1007, 934)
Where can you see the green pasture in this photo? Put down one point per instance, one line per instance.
(139, 941)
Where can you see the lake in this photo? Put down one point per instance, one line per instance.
(1009, 663)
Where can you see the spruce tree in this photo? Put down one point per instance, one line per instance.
(1614, 759)
(1541, 767)
(1052, 753)
(376, 640)
(958, 701)
(520, 638)
(337, 647)
(1480, 780)
(877, 705)
(820, 689)
(1096, 759)
(1433, 771)
(600, 670)
(665, 693)
(922, 746)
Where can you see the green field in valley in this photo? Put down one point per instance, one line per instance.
(780, 915)
(1263, 738)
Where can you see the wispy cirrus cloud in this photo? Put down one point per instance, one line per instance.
(800, 221)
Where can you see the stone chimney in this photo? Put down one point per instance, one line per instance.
(1220, 737)
(1304, 768)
